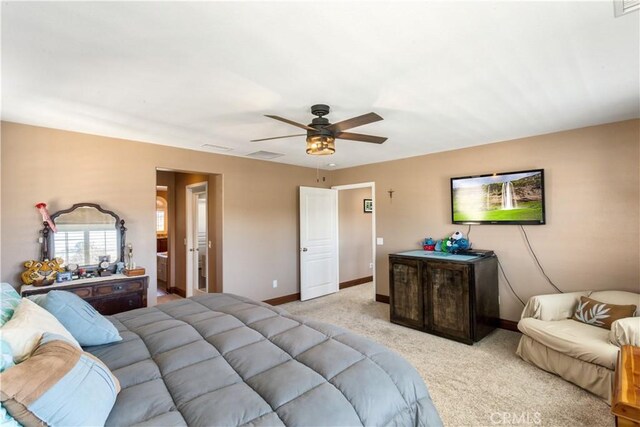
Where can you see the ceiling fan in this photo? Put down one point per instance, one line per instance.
(321, 134)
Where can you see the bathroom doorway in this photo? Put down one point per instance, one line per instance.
(194, 222)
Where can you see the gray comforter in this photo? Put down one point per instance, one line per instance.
(225, 360)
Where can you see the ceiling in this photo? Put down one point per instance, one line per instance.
(444, 75)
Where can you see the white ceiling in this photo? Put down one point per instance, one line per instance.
(444, 75)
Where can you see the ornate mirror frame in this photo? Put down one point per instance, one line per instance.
(47, 247)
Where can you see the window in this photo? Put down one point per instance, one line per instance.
(161, 215)
(160, 221)
(86, 247)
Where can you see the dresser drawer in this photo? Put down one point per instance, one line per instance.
(82, 292)
(118, 303)
(115, 288)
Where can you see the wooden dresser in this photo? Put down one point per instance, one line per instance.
(453, 296)
(109, 295)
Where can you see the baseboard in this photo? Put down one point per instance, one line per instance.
(382, 298)
(354, 282)
(509, 325)
(174, 290)
(283, 299)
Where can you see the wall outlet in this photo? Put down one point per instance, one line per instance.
(379, 241)
(275, 283)
(370, 265)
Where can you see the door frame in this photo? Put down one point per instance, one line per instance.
(371, 185)
(191, 201)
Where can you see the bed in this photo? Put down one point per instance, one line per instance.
(225, 360)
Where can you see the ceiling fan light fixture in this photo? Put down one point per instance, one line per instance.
(321, 145)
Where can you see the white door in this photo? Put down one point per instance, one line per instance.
(197, 238)
(318, 242)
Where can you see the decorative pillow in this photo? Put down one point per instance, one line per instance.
(26, 327)
(9, 300)
(59, 385)
(83, 321)
(600, 314)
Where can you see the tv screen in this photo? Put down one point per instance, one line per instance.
(499, 198)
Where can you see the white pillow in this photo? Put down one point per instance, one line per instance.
(24, 330)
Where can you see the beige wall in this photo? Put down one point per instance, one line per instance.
(355, 234)
(592, 204)
(260, 240)
(592, 189)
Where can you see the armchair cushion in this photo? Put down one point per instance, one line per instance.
(625, 332)
(575, 339)
(553, 306)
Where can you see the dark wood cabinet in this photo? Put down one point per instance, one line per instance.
(451, 298)
(108, 295)
(407, 292)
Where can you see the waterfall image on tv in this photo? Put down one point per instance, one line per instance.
(502, 198)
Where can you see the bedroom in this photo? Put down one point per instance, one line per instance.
(84, 114)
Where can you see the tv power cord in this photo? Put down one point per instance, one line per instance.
(538, 261)
(509, 283)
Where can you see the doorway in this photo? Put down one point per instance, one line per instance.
(194, 221)
(197, 254)
(357, 234)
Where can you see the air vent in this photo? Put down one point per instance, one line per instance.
(264, 155)
(622, 7)
(216, 147)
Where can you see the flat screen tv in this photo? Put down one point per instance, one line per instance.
(499, 198)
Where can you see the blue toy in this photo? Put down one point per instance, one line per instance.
(457, 242)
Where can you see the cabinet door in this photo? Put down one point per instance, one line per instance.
(405, 292)
(448, 285)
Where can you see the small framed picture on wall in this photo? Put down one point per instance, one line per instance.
(368, 205)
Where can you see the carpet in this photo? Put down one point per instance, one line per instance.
(486, 384)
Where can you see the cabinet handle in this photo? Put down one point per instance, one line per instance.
(118, 287)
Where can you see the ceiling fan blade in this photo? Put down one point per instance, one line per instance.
(360, 137)
(282, 119)
(278, 137)
(354, 122)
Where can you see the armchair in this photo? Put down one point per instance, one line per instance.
(583, 354)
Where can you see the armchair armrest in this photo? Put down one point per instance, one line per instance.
(625, 332)
(553, 306)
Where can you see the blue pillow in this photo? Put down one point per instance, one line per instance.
(9, 300)
(7, 420)
(86, 325)
(6, 356)
(59, 385)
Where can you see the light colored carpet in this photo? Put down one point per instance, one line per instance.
(481, 385)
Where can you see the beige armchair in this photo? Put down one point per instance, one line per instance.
(583, 354)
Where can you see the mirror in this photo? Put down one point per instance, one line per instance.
(85, 235)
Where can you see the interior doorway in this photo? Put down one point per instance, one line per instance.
(194, 220)
(357, 234)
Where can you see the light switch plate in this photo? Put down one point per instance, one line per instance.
(379, 241)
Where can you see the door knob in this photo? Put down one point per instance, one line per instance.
(304, 249)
